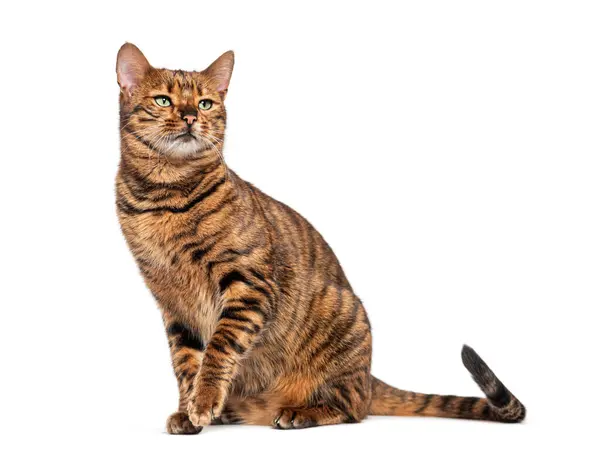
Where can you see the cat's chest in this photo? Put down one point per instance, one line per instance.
(156, 237)
(181, 286)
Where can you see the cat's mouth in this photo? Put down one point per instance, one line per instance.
(185, 137)
(184, 144)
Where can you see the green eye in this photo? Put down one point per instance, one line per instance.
(205, 104)
(161, 100)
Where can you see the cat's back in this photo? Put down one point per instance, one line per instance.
(297, 242)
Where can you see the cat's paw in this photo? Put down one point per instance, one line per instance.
(179, 423)
(206, 405)
(293, 419)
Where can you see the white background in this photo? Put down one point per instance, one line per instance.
(448, 151)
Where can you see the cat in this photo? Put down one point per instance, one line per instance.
(262, 323)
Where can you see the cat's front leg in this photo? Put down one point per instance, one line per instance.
(246, 303)
(186, 354)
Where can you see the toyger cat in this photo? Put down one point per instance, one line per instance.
(262, 324)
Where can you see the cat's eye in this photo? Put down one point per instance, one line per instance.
(205, 104)
(163, 101)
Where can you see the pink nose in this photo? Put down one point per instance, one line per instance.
(189, 118)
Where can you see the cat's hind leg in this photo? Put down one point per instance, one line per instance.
(343, 399)
(255, 411)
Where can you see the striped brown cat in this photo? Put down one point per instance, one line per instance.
(262, 324)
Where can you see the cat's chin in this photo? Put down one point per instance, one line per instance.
(187, 148)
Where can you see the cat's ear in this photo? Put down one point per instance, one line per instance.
(219, 73)
(132, 66)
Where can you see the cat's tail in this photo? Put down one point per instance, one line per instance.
(500, 405)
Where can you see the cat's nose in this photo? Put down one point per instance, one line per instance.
(189, 118)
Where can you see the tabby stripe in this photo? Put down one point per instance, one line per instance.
(329, 340)
(361, 393)
(147, 184)
(239, 349)
(467, 404)
(486, 411)
(244, 328)
(340, 335)
(203, 244)
(130, 171)
(339, 406)
(181, 375)
(141, 140)
(317, 324)
(124, 206)
(235, 276)
(308, 313)
(355, 341)
(446, 401)
(258, 275)
(202, 196)
(141, 194)
(210, 168)
(230, 315)
(184, 359)
(217, 346)
(209, 362)
(345, 394)
(357, 303)
(231, 277)
(242, 252)
(245, 300)
(263, 279)
(264, 292)
(135, 193)
(427, 400)
(233, 329)
(230, 310)
(186, 337)
(229, 259)
(213, 380)
(351, 373)
(139, 108)
(201, 217)
(182, 209)
(199, 253)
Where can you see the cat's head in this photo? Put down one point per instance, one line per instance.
(178, 114)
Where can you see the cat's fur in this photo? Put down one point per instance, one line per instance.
(262, 323)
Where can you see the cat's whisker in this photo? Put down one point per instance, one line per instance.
(132, 121)
(140, 132)
(221, 158)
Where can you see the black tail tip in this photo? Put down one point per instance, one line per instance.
(495, 391)
(475, 365)
(482, 374)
